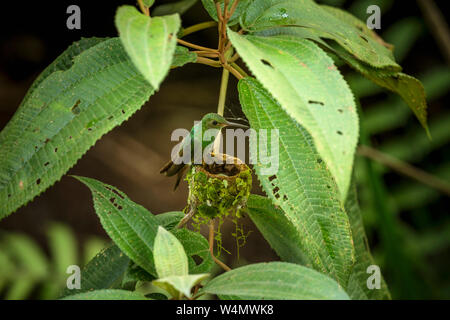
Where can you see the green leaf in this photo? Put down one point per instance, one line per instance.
(309, 88)
(180, 284)
(169, 220)
(91, 247)
(63, 62)
(276, 228)
(21, 288)
(102, 271)
(183, 56)
(170, 258)
(63, 117)
(276, 280)
(29, 258)
(210, 7)
(135, 273)
(148, 3)
(109, 294)
(63, 248)
(196, 247)
(129, 225)
(194, 244)
(179, 7)
(357, 284)
(409, 88)
(303, 186)
(150, 42)
(324, 22)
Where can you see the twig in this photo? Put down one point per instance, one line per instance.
(186, 218)
(234, 58)
(223, 91)
(437, 25)
(195, 46)
(235, 73)
(239, 69)
(143, 8)
(233, 8)
(206, 54)
(198, 27)
(405, 169)
(209, 62)
(211, 247)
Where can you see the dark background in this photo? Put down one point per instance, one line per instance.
(415, 261)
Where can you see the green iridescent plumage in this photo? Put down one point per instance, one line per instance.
(195, 137)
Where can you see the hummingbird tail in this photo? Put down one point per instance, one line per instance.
(180, 175)
(170, 169)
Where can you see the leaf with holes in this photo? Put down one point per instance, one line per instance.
(321, 21)
(107, 294)
(275, 280)
(132, 227)
(196, 248)
(169, 255)
(304, 80)
(409, 88)
(62, 63)
(102, 271)
(303, 186)
(276, 228)
(150, 42)
(63, 117)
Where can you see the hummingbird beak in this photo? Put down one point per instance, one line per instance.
(234, 124)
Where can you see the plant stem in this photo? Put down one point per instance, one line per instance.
(405, 169)
(223, 91)
(233, 71)
(239, 69)
(143, 8)
(198, 27)
(211, 247)
(195, 46)
(207, 54)
(209, 62)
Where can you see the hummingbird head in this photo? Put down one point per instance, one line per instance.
(216, 121)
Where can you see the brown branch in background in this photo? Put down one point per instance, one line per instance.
(405, 169)
(438, 26)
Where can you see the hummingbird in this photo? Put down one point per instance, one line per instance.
(209, 121)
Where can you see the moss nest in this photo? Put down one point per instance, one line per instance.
(219, 190)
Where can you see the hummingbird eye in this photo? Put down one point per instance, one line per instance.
(214, 123)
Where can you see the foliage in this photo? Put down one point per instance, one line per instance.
(310, 216)
(28, 272)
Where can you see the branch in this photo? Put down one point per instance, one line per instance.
(405, 169)
(209, 62)
(195, 46)
(437, 25)
(198, 27)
